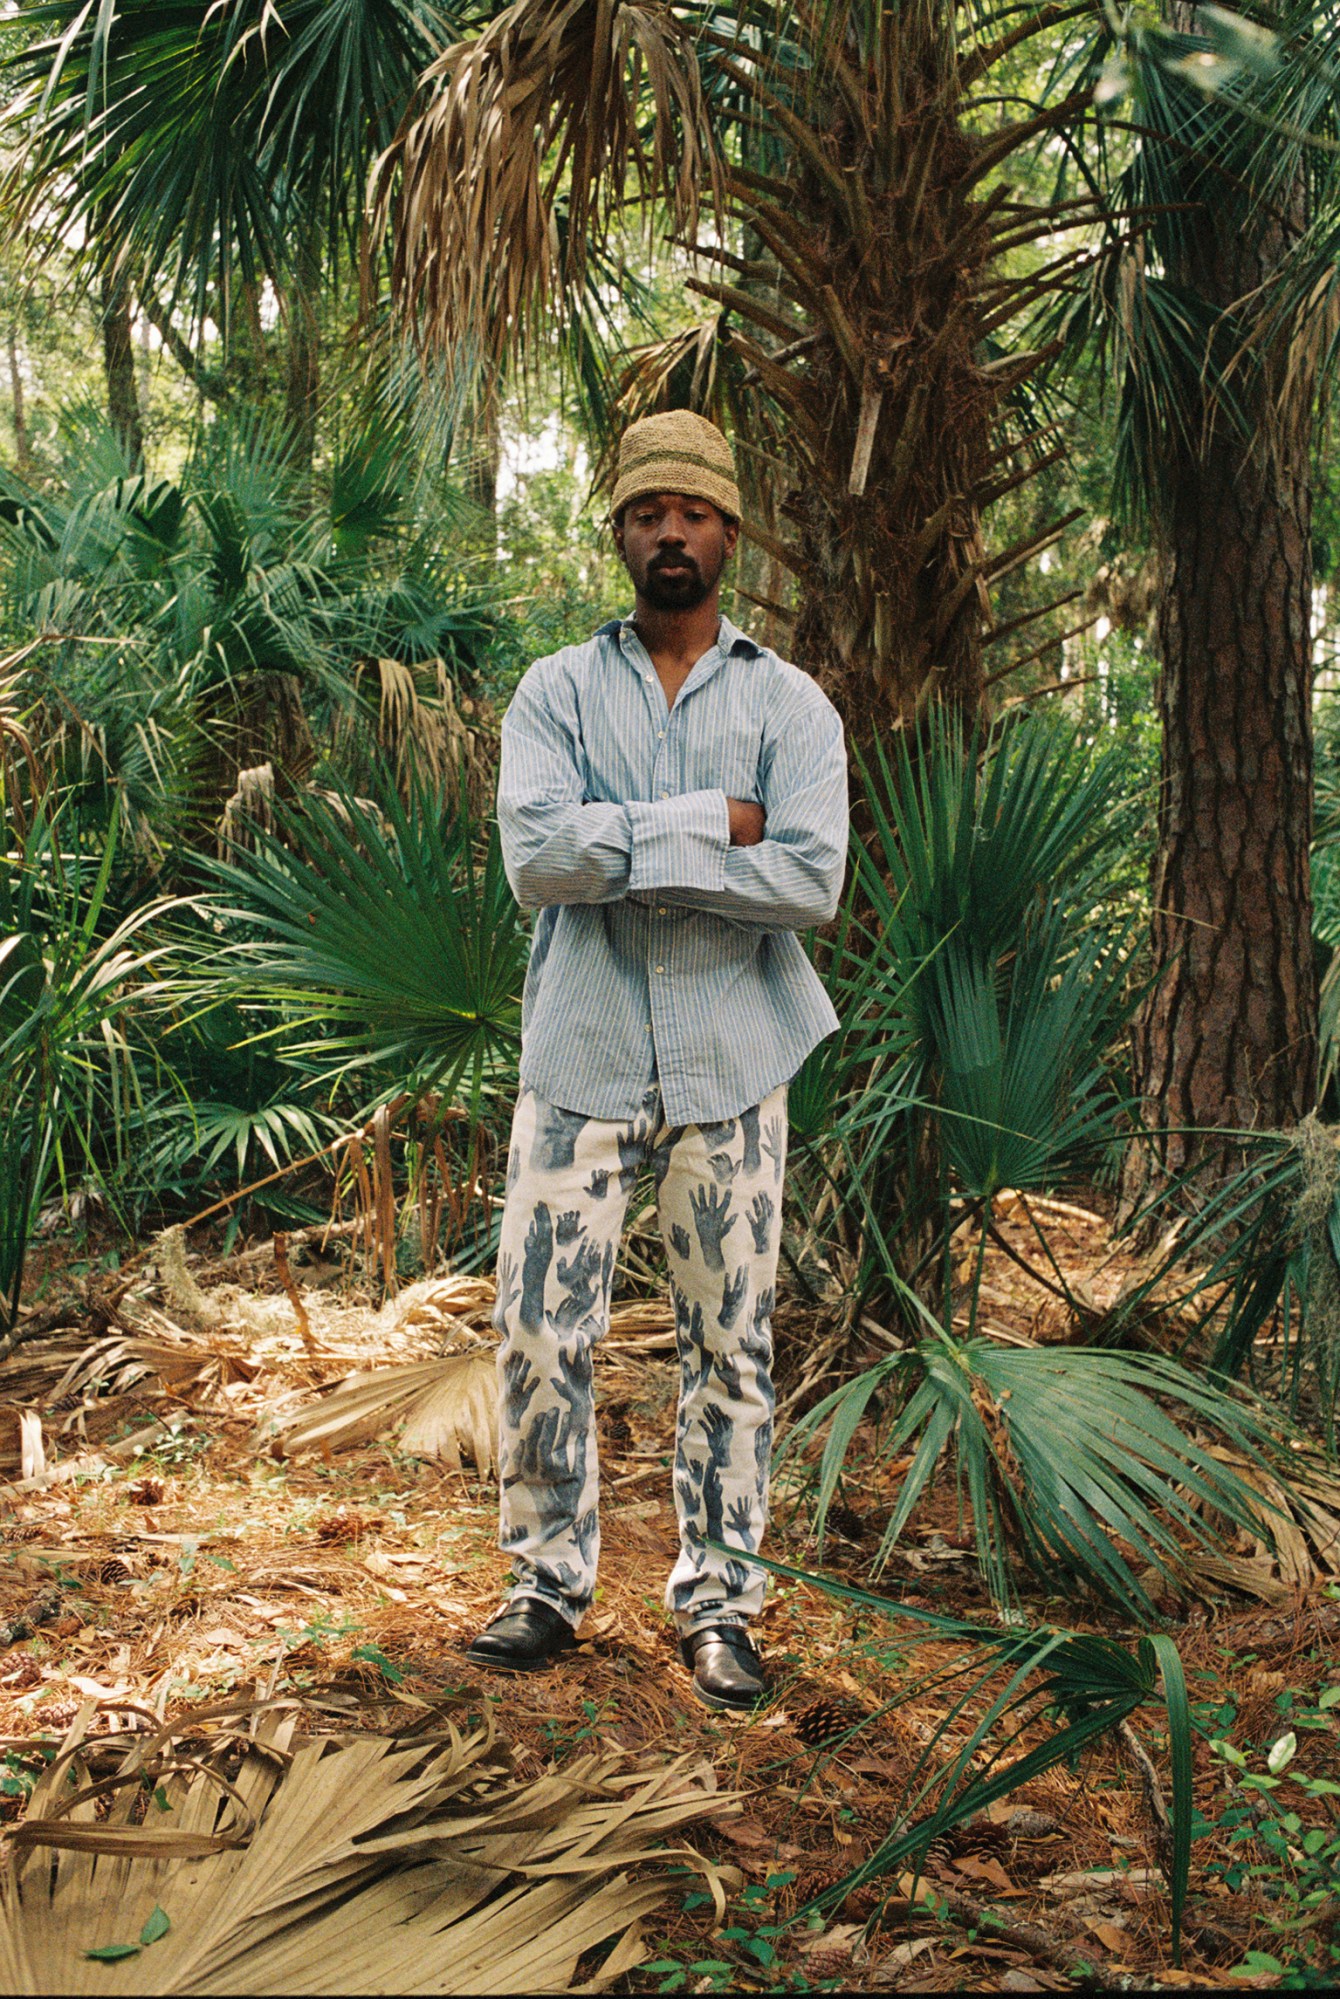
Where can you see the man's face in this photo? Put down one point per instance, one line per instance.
(675, 548)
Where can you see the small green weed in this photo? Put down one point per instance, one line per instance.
(1292, 1856)
(749, 1948)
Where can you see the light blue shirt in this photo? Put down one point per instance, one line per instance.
(660, 949)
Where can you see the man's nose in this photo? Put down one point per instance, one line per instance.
(670, 531)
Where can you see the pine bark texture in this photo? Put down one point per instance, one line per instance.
(1228, 1036)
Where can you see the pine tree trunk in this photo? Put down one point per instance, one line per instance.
(118, 353)
(1228, 1038)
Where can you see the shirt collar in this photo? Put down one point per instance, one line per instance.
(729, 637)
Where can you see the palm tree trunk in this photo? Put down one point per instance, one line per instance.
(118, 354)
(302, 376)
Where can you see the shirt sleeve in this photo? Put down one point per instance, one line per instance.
(560, 847)
(792, 878)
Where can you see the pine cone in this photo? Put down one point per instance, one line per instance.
(821, 1965)
(617, 1433)
(826, 1719)
(113, 1570)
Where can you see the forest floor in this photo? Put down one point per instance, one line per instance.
(155, 1550)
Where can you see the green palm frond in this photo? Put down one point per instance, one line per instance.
(1012, 1704)
(1066, 1458)
(378, 924)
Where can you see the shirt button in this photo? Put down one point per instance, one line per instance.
(660, 912)
(660, 968)
(665, 794)
(648, 1027)
(660, 735)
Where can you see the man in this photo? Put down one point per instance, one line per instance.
(673, 801)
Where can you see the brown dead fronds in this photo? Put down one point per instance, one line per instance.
(255, 1860)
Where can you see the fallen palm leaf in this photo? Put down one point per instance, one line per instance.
(1296, 1532)
(445, 1406)
(353, 1863)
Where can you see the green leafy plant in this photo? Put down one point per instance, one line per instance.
(1294, 1859)
(377, 924)
(70, 975)
(1066, 1457)
(1014, 1703)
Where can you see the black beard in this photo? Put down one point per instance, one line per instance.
(674, 593)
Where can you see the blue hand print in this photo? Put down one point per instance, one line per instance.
(535, 1263)
(579, 1278)
(740, 1524)
(723, 1168)
(555, 1143)
(761, 1213)
(774, 1144)
(520, 1382)
(718, 1134)
(679, 1237)
(513, 1167)
(733, 1295)
(712, 1219)
(727, 1370)
(763, 1309)
(568, 1227)
(736, 1577)
(508, 1291)
(598, 1185)
(632, 1144)
(753, 1159)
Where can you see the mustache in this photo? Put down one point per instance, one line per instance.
(672, 562)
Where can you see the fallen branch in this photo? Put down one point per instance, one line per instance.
(1155, 1803)
(970, 1914)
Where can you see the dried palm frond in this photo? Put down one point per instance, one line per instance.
(1295, 1545)
(355, 1863)
(445, 1405)
(545, 111)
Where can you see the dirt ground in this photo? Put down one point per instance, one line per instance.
(163, 1553)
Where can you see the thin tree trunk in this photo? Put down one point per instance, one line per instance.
(22, 440)
(118, 353)
(302, 377)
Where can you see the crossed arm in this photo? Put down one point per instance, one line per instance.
(774, 867)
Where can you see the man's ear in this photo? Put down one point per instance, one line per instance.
(732, 535)
(616, 522)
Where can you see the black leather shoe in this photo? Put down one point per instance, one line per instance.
(727, 1671)
(526, 1637)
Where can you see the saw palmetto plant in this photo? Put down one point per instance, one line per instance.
(241, 624)
(378, 923)
(841, 174)
(71, 1079)
(981, 975)
(1014, 1704)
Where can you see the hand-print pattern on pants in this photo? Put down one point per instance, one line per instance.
(718, 1192)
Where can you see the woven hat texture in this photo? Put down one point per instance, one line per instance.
(676, 452)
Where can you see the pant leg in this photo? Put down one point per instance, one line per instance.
(568, 1182)
(720, 1201)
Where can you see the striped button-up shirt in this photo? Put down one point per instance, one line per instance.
(660, 950)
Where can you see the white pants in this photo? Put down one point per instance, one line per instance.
(719, 1197)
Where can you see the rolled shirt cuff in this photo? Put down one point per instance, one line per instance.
(679, 842)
